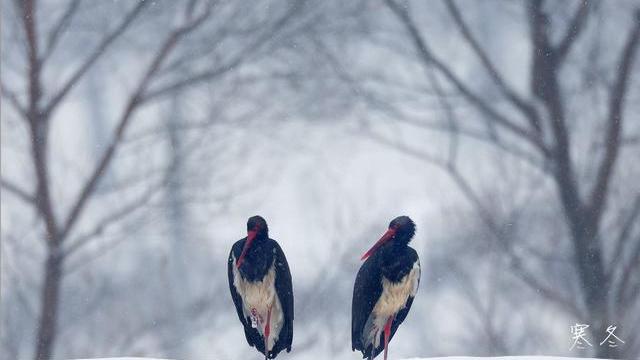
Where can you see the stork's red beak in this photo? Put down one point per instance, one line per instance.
(251, 235)
(388, 235)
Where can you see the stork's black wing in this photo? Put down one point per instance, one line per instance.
(284, 289)
(237, 300)
(366, 292)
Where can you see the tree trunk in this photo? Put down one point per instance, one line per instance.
(584, 232)
(49, 305)
(588, 259)
(53, 266)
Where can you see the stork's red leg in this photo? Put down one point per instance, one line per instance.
(267, 331)
(387, 334)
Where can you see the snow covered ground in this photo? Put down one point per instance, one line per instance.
(434, 358)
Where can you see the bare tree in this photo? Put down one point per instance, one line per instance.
(164, 70)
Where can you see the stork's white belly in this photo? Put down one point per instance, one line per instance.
(394, 295)
(258, 297)
(393, 299)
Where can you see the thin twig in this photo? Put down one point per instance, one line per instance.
(13, 100)
(623, 237)
(615, 119)
(525, 107)
(235, 62)
(17, 191)
(94, 56)
(573, 32)
(428, 59)
(132, 105)
(59, 28)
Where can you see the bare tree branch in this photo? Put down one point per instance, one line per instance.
(623, 237)
(236, 61)
(13, 100)
(38, 125)
(28, 22)
(201, 77)
(522, 272)
(9, 245)
(428, 59)
(113, 217)
(360, 92)
(545, 86)
(615, 119)
(17, 191)
(94, 56)
(59, 28)
(526, 108)
(132, 105)
(418, 154)
(573, 32)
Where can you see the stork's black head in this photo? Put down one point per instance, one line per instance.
(400, 232)
(258, 224)
(257, 229)
(404, 227)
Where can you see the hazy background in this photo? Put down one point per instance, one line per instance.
(138, 137)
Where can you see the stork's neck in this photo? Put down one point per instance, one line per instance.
(260, 240)
(258, 261)
(401, 241)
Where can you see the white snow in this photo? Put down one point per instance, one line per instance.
(434, 358)
(500, 357)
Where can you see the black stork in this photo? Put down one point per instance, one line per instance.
(384, 290)
(260, 284)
